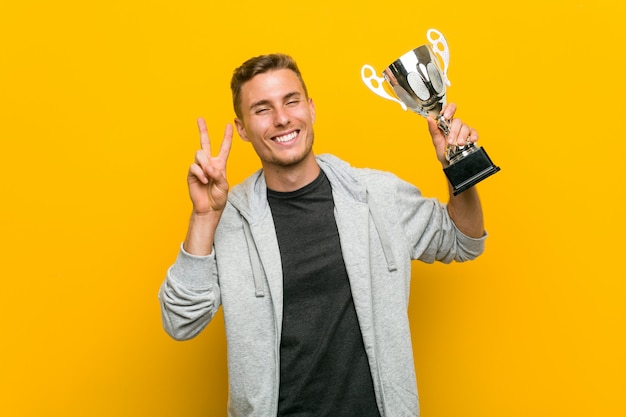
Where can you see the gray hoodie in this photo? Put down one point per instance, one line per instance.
(383, 224)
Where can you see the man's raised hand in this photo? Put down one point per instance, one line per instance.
(208, 187)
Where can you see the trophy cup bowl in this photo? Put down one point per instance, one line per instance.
(419, 83)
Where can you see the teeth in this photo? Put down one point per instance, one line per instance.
(286, 138)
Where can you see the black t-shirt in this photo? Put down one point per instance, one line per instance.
(323, 368)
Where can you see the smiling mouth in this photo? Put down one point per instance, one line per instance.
(287, 137)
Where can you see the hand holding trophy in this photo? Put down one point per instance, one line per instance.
(419, 83)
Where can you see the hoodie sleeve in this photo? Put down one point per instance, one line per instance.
(431, 233)
(424, 223)
(190, 295)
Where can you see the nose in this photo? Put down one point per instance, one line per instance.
(281, 117)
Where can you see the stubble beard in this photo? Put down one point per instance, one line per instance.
(294, 161)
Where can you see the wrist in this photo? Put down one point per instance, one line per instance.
(205, 216)
(202, 226)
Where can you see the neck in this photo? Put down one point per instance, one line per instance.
(292, 177)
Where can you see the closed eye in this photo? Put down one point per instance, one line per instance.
(292, 99)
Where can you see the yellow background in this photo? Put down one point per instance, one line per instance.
(97, 127)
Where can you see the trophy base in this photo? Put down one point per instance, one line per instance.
(470, 170)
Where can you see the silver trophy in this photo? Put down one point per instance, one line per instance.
(419, 84)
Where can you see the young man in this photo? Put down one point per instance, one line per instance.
(310, 260)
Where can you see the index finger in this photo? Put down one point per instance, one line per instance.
(226, 143)
(449, 111)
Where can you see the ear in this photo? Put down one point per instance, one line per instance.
(312, 110)
(241, 129)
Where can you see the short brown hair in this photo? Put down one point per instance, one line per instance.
(259, 65)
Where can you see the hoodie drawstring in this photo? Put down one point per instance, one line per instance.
(257, 268)
(383, 235)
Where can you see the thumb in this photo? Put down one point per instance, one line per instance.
(439, 139)
(433, 128)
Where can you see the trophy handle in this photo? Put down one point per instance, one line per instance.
(441, 48)
(375, 84)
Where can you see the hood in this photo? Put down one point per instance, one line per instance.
(250, 197)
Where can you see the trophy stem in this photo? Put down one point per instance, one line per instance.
(442, 123)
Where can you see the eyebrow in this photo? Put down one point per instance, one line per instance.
(264, 102)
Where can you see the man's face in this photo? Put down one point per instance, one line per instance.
(277, 118)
